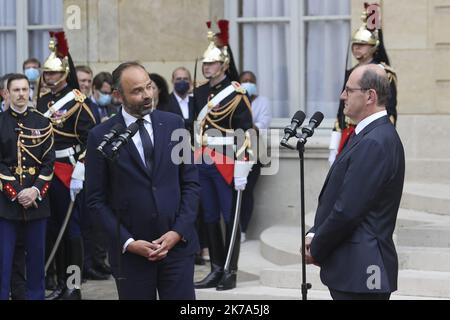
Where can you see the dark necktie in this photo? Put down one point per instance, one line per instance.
(350, 139)
(147, 144)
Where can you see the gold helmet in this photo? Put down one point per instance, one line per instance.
(58, 60)
(217, 50)
(364, 35)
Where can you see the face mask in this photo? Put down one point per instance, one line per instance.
(104, 99)
(32, 74)
(250, 88)
(181, 87)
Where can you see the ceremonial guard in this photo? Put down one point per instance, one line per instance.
(26, 169)
(72, 118)
(223, 108)
(367, 47)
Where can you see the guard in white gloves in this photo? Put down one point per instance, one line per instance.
(225, 108)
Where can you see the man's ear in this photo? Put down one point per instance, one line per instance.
(373, 98)
(117, 95)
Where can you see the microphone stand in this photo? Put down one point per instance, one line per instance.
(301, 153)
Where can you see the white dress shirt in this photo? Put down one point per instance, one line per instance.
(129, 119)
(262, 112)
(365, 122)
(184, 105)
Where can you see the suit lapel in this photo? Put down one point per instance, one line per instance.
(348, 148)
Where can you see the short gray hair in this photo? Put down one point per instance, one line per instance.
(372, 80)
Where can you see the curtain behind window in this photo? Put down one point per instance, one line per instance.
(266, 51)
(42, 12)
(7, 38)
(326, 55)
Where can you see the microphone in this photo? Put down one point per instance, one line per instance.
(314, 122)
(291, 130)
(114, 132)
(125, 137)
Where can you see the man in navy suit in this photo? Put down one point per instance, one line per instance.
(146, 202)
(351, 239)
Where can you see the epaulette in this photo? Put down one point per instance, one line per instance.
(200, 83)
(238, 88)
(392, 75)
(79, 96)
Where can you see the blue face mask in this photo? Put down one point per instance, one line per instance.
(32, 74)
(181, 87)
(104, 99)
(250, 88)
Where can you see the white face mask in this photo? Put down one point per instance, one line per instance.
(251, 88)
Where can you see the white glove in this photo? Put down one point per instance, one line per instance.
(241, 171)
(334, 145)
(75, 187)
(332, 156)
(240, 183)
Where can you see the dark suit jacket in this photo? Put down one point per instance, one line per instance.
(174, 107)
(357, 211)
(148, 206)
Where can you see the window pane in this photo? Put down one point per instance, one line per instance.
(263, 8)
(327, 7)
(7, 52)
(45, 12)
(265, 49)
(38, 44)
(7, 13)
(326, 57)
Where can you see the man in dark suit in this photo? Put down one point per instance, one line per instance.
(145, 201)
(180, 101)
(351, 239)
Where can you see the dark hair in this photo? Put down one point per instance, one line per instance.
(84, 69)
(372, 80)
(31, 60)
(100, 78)
(4, 80)
(247, 72)
(163, 87)
(117, 73)
(16, 76)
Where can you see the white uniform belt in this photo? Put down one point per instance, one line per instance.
(59, 104)
(220, 141)
(68, 152)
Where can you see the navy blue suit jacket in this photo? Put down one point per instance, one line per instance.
(357, 211)
(148, 205)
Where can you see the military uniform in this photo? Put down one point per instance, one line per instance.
(344, 126)
(26, 160)
(71, 118)
(223, 108)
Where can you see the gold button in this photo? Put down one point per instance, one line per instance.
(23, 141)
(23, 176)
(24, 158)
(24, 167)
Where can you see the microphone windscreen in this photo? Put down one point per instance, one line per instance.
(299, 116)
(117, 128)
(133, 128)
(317, 118)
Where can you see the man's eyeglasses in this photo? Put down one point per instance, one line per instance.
(349, 90)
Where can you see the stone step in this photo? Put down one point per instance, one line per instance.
(410, 283)
(429, 197)
(281, 244)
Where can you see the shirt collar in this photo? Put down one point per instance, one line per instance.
(129, 119)
(179, 99)
(365, 122)
(13, 108)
